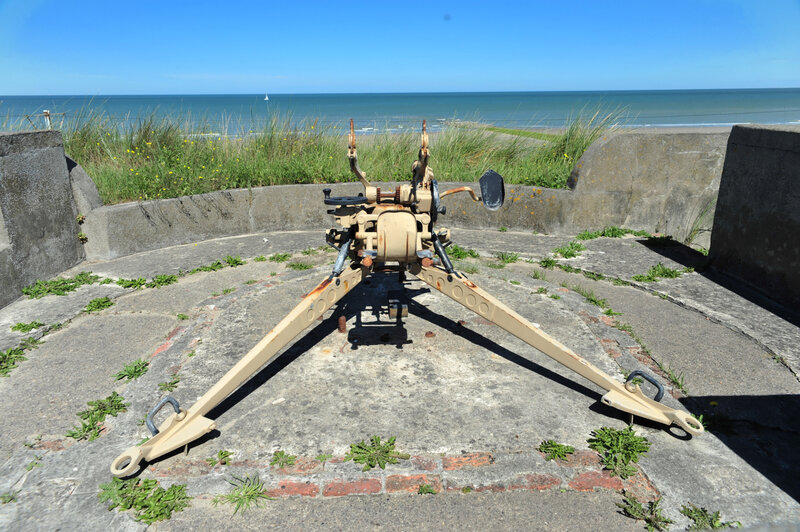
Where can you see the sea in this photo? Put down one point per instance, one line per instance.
(238, 114)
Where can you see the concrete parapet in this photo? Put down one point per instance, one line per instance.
(38, 229)
(661, 182)
(756, 235)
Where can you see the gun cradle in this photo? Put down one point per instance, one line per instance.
(394, 227)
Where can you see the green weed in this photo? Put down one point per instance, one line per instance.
(496, 265)
(426, 489)
(191, 353)
(222, 458)
(280, 257)
(609, 312)
(555, 296)
(322, 458)
(10, 359)
(92, 418)
(171, 384)
(132, 371)
(374, 453)
(226, 291)
(618, 448)
(182, 316)
(514, 282)
(469, 268)
(555, 451)
(503, 229)
(234, 261)
(538, 275)
(590, 296)
(213, 267)
(162, 280)
(656, 272)
(466, 489)
(593, 276)
(458, 253)
(30, 343)
(567, 268)
(507, 257)
(36, 462)
(571, 250)
(661, 240)
(547, 263)
(310, 251)
(97, 304)
(8, 496)
(702, 519)
(60, 286)
(610, 232)
(299, 266)
(651, 515)
(246, 491)
(260, 258)
(27, 327)
(251, 281)
(136, 284)
(149, 501)
(541, 290)
(281, 459)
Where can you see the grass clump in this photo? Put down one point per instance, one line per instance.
(27, 327)
(547, 263)
(555, 451)
(10, 359)
(656, 272)
(375, 453)
(136, 284)
(93, 417)
(97, 304)
(162, 280)
(222, 458)
(590, 296)
(30, 343)
(8, 496)
(132, 371)
(60, 286)
(170, 385)
(246, 491)
(611, 231)
(618, 448)
(281, 459)
(149, 501)
(260, 258)
(300, 266)
(153, 158)
(182, 317)
(426, 489)
(280, 257)
(702, 519)
(458, 253)
(234, 261)
(571, 250)
(507, 257)
(651, 514)
(213, 267)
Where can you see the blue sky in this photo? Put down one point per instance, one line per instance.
(201, 47)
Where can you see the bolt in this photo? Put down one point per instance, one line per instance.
(342, 324)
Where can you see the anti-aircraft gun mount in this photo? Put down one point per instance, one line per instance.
(392, 229)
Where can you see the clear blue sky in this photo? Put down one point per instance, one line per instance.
(200, 47)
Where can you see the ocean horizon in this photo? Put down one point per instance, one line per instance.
(235, 114)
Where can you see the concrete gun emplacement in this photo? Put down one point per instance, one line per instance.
(385, 230)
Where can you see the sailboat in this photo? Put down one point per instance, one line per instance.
(266, 97)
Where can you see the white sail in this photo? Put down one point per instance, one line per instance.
(266, 97)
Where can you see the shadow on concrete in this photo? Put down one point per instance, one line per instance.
(691, 258)
(764, 430)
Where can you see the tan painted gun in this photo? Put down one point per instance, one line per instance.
(394, 226)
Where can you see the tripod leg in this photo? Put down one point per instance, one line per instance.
(184, 426)
(618, 395)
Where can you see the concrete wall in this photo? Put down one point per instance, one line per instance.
(38, 230)
(756, 235)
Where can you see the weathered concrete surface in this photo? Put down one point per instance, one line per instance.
(645, 179)
(756, 234)
(84, 191)
(38, 230)
(468, 402)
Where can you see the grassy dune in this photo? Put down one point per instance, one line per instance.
(160, 159)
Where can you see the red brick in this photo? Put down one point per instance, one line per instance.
(592, 480)
(640, 487)
(608, 320)
(290, 488)
(411, 483)
(301, 466)
(535, 482)
(174, 332)
(562, 289)
(426, 464)
(450, 463)
(583, 459)
(338, 488)
(163, 347)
